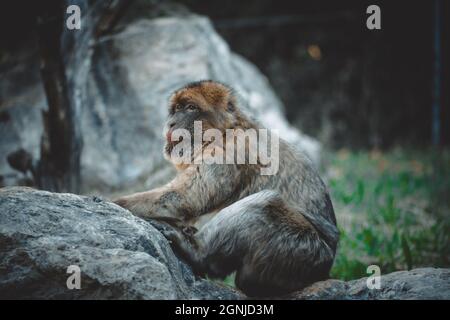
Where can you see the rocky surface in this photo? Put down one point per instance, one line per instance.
(123, 257)
(119, 255)
(131, 73)
(416, 284)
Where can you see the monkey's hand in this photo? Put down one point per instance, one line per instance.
(138, 205)
(160, 202)
(184, 245)
(186, 229)
(168, 223)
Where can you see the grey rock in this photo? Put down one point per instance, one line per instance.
(416, 284)
(120, 256)
(124, 257)
(20, 114)
(132, 72)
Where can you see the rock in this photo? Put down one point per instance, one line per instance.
(20, 114)
(132, 72)
(120, 256)
(417, 284)
(124, 257)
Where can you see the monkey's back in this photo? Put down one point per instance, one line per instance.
(300, 186)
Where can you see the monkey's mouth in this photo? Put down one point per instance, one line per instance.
(169, 135)
(169, 143)
(188, 147)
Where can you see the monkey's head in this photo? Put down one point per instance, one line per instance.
(210, 102)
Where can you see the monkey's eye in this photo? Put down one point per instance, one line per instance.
(191, 107)
(178, 107)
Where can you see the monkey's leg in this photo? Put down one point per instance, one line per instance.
(274, 249)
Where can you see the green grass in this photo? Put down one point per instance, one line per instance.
(392, 210)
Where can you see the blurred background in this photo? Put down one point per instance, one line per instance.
(82, 110)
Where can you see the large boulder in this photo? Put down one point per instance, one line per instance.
(132, 72)
(119, 256)
(124, 257)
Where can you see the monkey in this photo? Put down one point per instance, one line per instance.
(277, 232)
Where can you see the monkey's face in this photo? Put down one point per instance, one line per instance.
(207, 102)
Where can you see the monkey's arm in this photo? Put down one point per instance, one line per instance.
(194, 191)
(138, 203)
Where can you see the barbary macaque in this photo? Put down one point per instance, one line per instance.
(276, 231)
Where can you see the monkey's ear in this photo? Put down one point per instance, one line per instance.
(231, 107)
